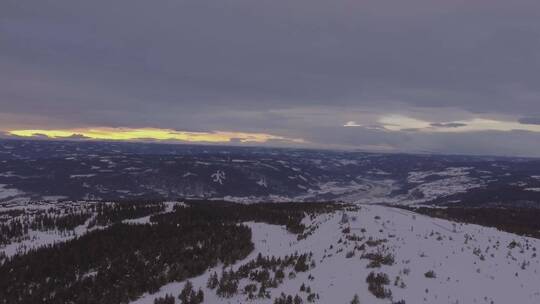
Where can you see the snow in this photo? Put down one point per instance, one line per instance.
(378, 172)
(419, 176)
(81, 175)
(450, 181)
(359, 190)
(346, 162)
(188, 174)
(302, 178)
(38, 239)
(6, 193)
(447, 186)
(419, 243)
(218, 177)
(54, 198)
(7, 174)
(138, 221)
(169, 207)
(533, 189)
(262, 182)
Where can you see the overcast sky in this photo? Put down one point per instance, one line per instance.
(454, 76)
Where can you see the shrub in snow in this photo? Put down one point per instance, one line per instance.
(250, 290)
(168, 299)
(312, 297)
(373, 243)
(430, 274)
(213, 281)
(377, 259)
(376, 283)
(189, 296)
(301, 264)
(283, 299)
(228, 285)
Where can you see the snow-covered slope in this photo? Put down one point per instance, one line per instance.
(435, 261)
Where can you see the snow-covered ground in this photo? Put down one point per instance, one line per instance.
(169, 207)
(472, 264)
(35, 238)
(450, 181)
(361, 190)
(7, 193)
(38, 239)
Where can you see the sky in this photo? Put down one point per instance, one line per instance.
(440, 76)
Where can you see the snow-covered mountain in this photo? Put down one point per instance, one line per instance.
(54, 193)
(381, 254)
(425, 260)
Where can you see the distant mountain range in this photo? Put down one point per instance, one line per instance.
(68, 170)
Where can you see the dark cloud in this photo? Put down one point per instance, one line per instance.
(40, 136)
(235, 140)
(263, 66)
(530, 120)
(512, 143)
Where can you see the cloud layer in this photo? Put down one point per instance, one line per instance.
(129, 134)
(443, 75)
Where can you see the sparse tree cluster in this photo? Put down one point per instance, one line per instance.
(377, 283)
(107, 214)
(288, 299)
(189, 296)
(264, 273)
(59, 222)
(168, 299)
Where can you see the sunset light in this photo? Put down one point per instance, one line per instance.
(134, 134)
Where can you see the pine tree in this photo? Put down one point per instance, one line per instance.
(200, 296)
(187, 293)
(355, 300)
(213, 281)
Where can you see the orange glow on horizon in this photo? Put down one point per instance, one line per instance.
(134, 134)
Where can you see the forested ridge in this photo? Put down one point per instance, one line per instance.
(522, 221)
(119, 262)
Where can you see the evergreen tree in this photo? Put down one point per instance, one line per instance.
(187, 293)
(213, 281)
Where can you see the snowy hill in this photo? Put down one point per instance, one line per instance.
(427, 261)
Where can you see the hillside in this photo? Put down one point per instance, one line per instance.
(434, 261)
